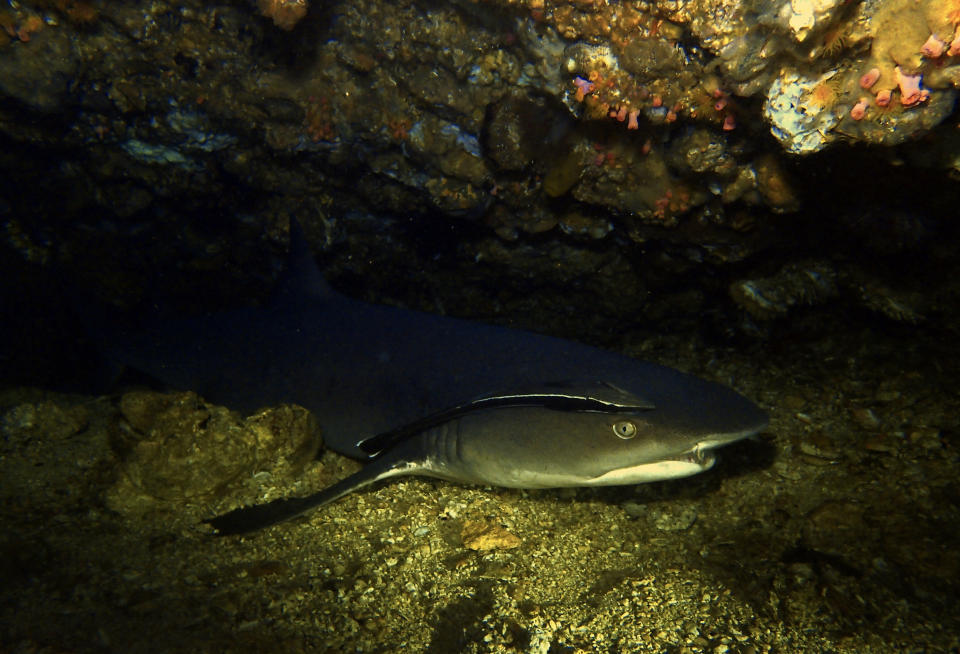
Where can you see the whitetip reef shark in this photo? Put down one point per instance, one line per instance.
(420, 394)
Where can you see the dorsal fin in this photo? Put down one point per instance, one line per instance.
(301, 277)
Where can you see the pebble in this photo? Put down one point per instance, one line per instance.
(675, 520)
(482, 536)
(866, 418)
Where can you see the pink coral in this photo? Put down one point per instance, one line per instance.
(933, 48)
(583, 87)
(911, 93)
(954, 46)
(869, 78)
(859, 110)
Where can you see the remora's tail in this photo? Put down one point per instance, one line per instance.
(251, 518)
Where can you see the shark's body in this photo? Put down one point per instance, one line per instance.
(399, 387)
(517, 446)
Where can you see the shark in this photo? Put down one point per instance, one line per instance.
(414, 393)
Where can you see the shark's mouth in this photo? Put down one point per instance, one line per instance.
(695, 460)
(701, 455)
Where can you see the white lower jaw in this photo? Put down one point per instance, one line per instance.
(657, 471)
(685, 465)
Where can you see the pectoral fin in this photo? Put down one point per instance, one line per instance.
(251, 518)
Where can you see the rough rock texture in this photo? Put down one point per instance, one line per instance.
(462, 146)
(760, 192)
(177, 450)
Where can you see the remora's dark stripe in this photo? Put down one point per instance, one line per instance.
(556, 401)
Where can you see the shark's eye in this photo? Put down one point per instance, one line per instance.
(625, 429)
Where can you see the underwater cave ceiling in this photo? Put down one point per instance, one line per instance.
(664, 163)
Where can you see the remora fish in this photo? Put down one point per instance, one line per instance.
(395, 386)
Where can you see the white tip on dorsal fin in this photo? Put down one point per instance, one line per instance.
(301, 277)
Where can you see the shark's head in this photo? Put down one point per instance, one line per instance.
(647, 447)
(531, 447)
(690, 417)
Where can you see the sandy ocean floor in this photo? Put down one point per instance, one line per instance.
(836, 530)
